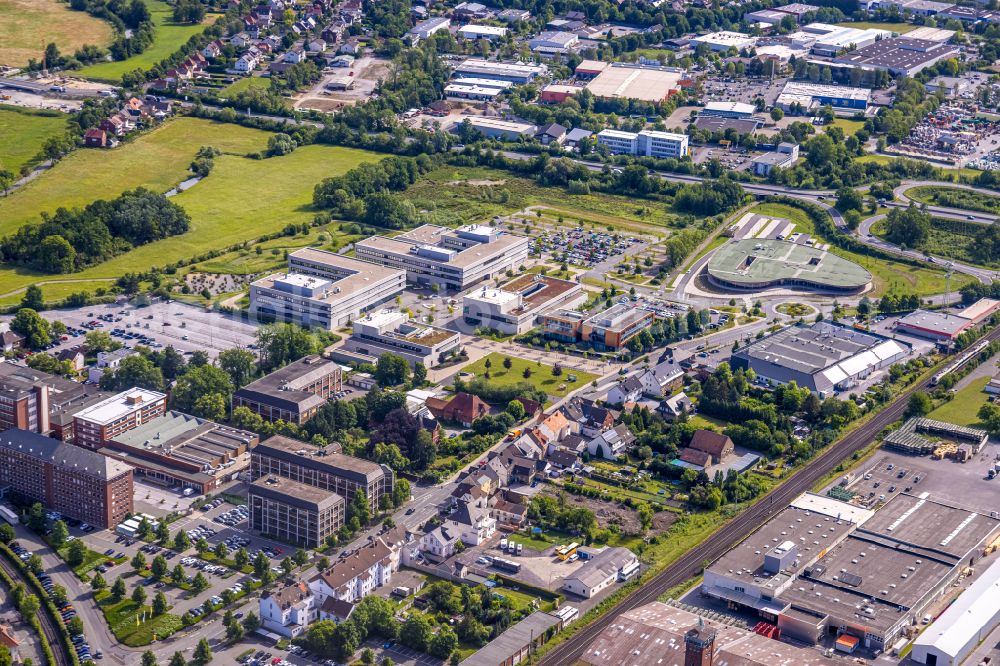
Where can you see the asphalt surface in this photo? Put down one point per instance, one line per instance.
(47, 622)
(730, 534)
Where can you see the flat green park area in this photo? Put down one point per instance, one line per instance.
(169, 37)
(22, 133)
(241, 199)
(963, 408)
(541, 374)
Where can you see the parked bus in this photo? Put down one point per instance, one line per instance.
(564, 552)
(8, 515)
(506, 565)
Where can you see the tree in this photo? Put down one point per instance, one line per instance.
(239, 364)
(28, 606)
(280, 144)
(251, 622)
(159, 566)
(33, 298)
(416, 632)
(777, 114)
(75, 626)
(118, 589)
(516, 409)
(160, 604)
(442, 645)
(368, 656)
(139, 595)
(908, 227)
(178, 575)
(59, 534)
(181, 541)
(77, 553)
(148, 658)
(645, 516)
(221, 550)
(37, 520)
(7, 533)
(29, 323)
(919, 404)
(200, 583)
(177, 660)
(203, 652)
(300, 557)
(391, 369)
(527, 373)
(99, 341)
(261, 565)
(419, 375)
(138, 560)
(197, 383)
(241, 558)
(848, 199)
(234, 632)
(134, 371)
(97, 583)
(423, 452)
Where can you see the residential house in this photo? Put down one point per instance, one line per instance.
(287, 611)
(628, 390)
(551, 133)
(564, 458)
(716, 445)
(246, 63)
(241, 40)
(441, 541)
(317, 45)
(612, 443)
(113, 125)
(295, 55)
(354, 576)
(510, 514)
(532, 409)
(591, 418)
(74, 355)
(475, 524)
(674, 406)
(273, 41)
(463, 408)
(351, 46)
(92, 138)
(662, 379)
(554, 427)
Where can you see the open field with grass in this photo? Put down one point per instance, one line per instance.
(888, 276)
(848, 125)
(244, 84)
(169, 38)
(26, 26)
(541, 374)
(948, 238)
(157, 160)
(901, 28)
(121, 618)
(468, 194)
(22, 133)
(224, 207)
(954, 197)
(962, 409)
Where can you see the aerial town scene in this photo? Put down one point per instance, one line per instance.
(554, 333)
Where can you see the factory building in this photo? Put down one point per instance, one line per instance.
(814, 95)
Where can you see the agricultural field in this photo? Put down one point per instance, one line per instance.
(954, 197)
(26, 26)
(169, 38)
(224, 211)
(541, 374)
(22, 133)
(888, 276)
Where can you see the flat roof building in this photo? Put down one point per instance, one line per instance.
(648, 83)
(182, 451)
(553, 42)
(294, 512)
(725, 40)
(515, 72)
(834, 39)
(323, 289)
(293, 393)
(99, 423)
(74, 481)
(326, 468)
(475, 93)
(494, 128)
(516, 306)
(822, 357)
(425, 29)
(449, 258)
(981, 310)
(758, 264)
(609, 330)
(814, 95)
(728, 110)
(933, 324)
(647, 143)
(768, 17)
(899, 57)
(489, 32)
(394, 332)
(42, 403)
(796, 9)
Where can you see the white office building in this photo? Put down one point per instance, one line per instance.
(425, 29)
(390, 331)
(448, 258)
(324, 289)
(516, 307)
(489, 32)
(647, 143)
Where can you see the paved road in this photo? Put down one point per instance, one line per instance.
(729, 535)
(944, 211)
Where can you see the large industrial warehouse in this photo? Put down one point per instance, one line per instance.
(822, 357)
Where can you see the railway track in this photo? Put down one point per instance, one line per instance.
(47, 622)
(720, 542)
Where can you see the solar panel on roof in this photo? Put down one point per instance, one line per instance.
(853, 580)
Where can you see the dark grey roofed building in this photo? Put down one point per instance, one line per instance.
(293, 393)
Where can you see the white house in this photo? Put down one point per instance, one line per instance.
(354, 577)
(661, 379)
(612, 443)
(601, 571)
(108, 362)
(441, 541)
(241, 39)
(317, 45)
(246, 63)
(294, 55)
(289, 610)
(629, 390)
(474, 522)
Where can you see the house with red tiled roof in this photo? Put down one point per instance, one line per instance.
(716, 445)
(463, 408)
(95, 138)
(353, 577)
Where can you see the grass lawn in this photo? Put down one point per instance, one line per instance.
(849, 126)
(901, 28)
(168, 39)
(962, 409)
(954, 197)
(23, 131)
(888, 276)
(90, 561)
(541, 375)
(246, 83)
(26, 26)
(121, 618)
(53, 292)
(223, 208)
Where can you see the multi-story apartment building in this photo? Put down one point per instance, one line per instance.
(294, 512)
(356, 576)
(40, 402)
(75, 482)
(609, 330)
(448, 258)
(327, 469)
(288, 610)
(323, 289)
(293, 393)
(515, 307)
(647, 143)
(395, 332)
(95, 425)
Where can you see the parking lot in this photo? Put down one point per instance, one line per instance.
(584, 248)
(186, 327)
